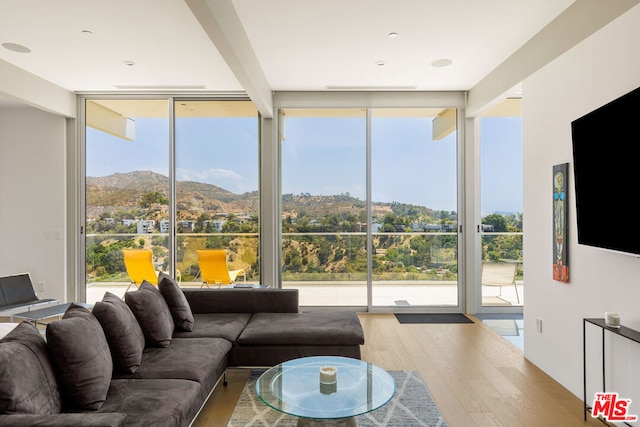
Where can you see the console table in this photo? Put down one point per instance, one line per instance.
(623, 331)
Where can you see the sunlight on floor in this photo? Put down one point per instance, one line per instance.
(509, 326)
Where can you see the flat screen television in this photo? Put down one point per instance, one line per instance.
(606, 173)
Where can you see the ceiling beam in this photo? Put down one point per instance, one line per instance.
(576, 23)
(24, 87)
(222, 24)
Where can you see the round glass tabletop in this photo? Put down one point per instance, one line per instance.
(297, 387)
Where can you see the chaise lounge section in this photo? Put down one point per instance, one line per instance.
(160, 353)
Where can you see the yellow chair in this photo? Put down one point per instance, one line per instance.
(214, 269)
(139, 263)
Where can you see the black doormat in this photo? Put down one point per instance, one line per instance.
(432, 318)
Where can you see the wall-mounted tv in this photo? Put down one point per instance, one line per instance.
(606, 171)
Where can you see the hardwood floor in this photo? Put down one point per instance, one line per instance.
(476, 377)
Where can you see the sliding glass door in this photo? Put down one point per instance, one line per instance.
(171, 176)
(502, 277)
(216, 184)
(414, 207)
(324, 222)
(126, 187)
(369, 206)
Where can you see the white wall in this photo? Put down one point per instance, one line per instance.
(33, 197)
(598, 70)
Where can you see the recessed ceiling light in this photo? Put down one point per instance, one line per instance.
(15, 47)
(380, 63)
(392, 35)
(129, 63)
(444, 62)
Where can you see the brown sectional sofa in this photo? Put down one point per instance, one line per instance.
(168, 381)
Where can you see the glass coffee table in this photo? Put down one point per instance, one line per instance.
(325, 390)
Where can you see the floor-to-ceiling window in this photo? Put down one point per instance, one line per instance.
(126, 186)
(324, 222)
(370, 206)
(216, 184)
(414, 207)
(147, 160)
(501, 205)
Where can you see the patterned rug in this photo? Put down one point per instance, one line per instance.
(412, 405)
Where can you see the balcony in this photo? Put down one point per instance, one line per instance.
(433, 285)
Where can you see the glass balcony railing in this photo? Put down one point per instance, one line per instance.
(329, 268)
(242, 253)
(407, 268)
(105, 262)
(343, 256)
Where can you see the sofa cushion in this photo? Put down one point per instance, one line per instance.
(177, 302)
(81, 358)
(28, 383)
(312, 328)
(122, 330)
(152, 312)
(161, 402)
(197, 359)
(271, 355)
(215, 325)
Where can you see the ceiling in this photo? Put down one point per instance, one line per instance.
(280, 45)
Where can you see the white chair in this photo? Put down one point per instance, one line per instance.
(500, 274)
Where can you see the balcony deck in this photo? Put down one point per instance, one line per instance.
(353, 294)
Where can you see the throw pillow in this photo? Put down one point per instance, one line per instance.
(81, 357)
(153, 314)
(177, 302)
(122, 331)
(28, 382)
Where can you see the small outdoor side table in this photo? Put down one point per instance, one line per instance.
(37, 316)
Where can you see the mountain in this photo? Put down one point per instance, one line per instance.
(127, 191)
(124, 191)
(138, 181)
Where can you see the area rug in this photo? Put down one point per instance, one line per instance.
(412, 405)
(432, 318)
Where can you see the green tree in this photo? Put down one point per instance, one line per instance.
(498, 221)
(152, 197)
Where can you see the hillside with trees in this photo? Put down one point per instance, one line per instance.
(324, 236)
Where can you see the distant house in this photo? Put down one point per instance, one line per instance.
(146, 226)
(128, 222)
(164, 226)
(186, 226)
(418, 226)
(216, 224)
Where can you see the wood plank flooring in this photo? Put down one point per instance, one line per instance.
(475, 376)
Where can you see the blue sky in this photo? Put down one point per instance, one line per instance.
(501, 164)
(323, 156)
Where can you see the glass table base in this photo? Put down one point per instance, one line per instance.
(341, 422)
